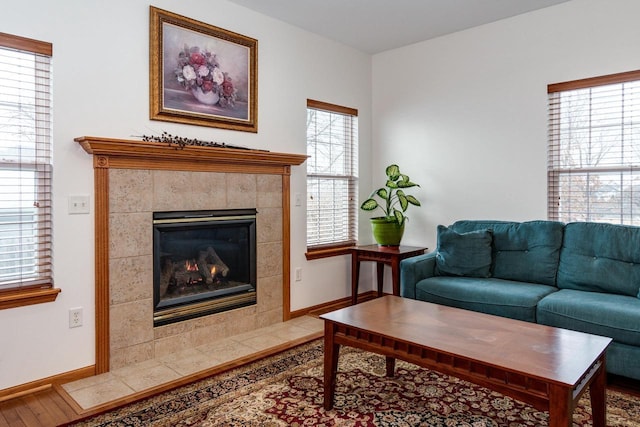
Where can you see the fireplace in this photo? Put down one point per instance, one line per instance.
(203, 262)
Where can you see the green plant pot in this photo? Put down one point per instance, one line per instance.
(386, 232)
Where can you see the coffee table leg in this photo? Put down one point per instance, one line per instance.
(331, 353)
(391, 366)
(560, 406)
(597, 394)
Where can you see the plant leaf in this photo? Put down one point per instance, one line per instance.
(413, 200)
(403, 201)
(392, 184)
(382, 192)
(393, 172)
(399, 216)
(369, 205)
(407, 184)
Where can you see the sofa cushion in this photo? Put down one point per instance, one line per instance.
(463, 254)
(609, 315)
(505, 298)
(522, 251)
(600, 258)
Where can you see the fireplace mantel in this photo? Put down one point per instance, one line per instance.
(111, 153)
(132, 154)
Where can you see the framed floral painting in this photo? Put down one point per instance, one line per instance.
(201, 74)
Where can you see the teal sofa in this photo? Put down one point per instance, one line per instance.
(582, 276)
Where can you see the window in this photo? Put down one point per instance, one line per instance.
(594, 149)
(332, 181)
(25, 171)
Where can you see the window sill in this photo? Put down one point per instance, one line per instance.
(25, 297)
(317, 253)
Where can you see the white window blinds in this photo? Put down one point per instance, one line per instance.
(594, 149)
(25, 163)
(332, 178)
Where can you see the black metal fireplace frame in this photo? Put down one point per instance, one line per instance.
(183, 308)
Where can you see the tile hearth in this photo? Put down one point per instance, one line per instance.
(126, 381)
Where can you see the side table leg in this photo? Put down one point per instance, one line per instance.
(380, 268)
(331, 353)
(355, 277)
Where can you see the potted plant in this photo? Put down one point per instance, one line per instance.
(388, 229)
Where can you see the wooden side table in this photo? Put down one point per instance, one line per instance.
(390, 255)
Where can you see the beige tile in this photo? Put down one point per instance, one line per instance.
(270, 293)
(88, 382)
(241, 191)
(269, 259)
(130, 234)
(263, 342)
(269, 225)
(130, 355)
(173, 329)
(226, 350)
(172, 344)
(191, 361)
(205, 335)
(130, 279)
(269, 317)
(101, 393)
(312, 324)
(269, 191)
(189, 190)
(130, 190)
(134, 325)
(289, 332)
(142, 376)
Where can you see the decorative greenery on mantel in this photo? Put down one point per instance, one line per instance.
(182, 142)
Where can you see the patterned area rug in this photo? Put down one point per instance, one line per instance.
(286, 390)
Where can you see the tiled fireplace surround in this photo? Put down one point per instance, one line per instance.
(132, 180)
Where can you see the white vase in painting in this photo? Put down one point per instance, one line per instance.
(208, 98)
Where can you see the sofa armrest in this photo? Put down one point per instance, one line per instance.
(414, 269)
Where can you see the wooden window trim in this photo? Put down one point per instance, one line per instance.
(319, 252)
(628, 76)
(24, 297)
(23, 43)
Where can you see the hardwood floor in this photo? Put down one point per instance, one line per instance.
(44, 408)
(48, 408)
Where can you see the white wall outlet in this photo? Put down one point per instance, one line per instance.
(75, 317)
(298, 274)
(79, 204)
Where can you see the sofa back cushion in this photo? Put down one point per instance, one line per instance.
(600, 258)
(463, 254)
(522, 251)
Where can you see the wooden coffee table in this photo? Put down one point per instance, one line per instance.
(546, 367)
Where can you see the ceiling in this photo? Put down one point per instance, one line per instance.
(373, 26)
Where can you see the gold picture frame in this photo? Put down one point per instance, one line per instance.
(201, 74)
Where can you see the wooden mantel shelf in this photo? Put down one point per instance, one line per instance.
(134, 154)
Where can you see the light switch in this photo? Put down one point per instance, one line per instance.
(79, 204)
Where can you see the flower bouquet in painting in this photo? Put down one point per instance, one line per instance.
(198, 71)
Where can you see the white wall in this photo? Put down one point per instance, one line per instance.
(465, 115)
(101, 80)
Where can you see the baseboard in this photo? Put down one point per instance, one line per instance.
(326, 307)
(46, 383)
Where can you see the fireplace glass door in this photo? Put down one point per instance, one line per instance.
(204, 262)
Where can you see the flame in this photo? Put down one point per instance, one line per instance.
(213, 271)
(191, 265)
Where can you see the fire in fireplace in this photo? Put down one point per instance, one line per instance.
(203, 262)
